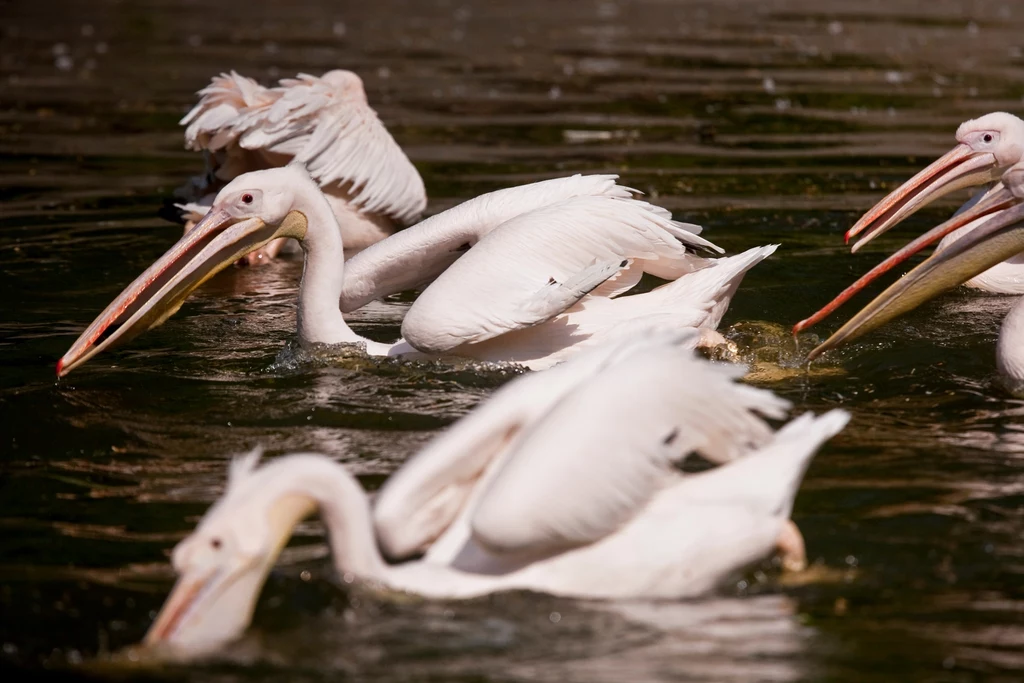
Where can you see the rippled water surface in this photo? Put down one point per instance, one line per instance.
(764, 121)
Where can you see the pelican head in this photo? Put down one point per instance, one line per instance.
(997, 239)
(250, 211)
(987, 147)
(224, 563)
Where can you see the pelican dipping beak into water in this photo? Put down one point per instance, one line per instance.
(999, 235)
(564, 482)
(325, 123)
(524, 275)
(989, 145)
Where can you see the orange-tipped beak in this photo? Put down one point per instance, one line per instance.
(215, 243)
(995, 200)
(959, 168)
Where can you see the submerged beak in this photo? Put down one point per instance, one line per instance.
(216, 242)
(214, 599)
(959, 168)
(207, 609)
(184, 598)
(995, 200)
(996, 240)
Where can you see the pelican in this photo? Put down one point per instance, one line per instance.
(327, 124)
(988, 146)
(999, 235)
(563, 482)
(524, 275)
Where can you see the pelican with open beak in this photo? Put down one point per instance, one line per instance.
(993, 201)
(987, 147)
(235, 227)
(999, 235)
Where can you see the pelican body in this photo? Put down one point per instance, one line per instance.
(526, 275)
(327, 124)
(563, 482)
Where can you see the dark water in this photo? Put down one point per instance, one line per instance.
(764, 121)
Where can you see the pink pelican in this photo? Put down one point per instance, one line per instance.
(998, 235)
(987, 147)
(325, 123)
(526, 275)
(564, 482)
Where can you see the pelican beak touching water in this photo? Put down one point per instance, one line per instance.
(993, 201)
(564, 482)
(987, 146)
(998, 238)
(507, 294)
(221, 568)
(238, 223)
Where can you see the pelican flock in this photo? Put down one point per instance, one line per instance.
(567, 480)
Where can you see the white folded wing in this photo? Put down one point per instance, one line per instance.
(422, 500)
(414, 257)
(325, 123)
(518, 257)
(612, 443)
(527, 271)
(567, 481)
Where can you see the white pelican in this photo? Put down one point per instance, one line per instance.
(327, 124)
(998, 235)
(987, 147)
(519, 294)
(563, 482)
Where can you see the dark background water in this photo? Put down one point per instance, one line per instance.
(764, 121)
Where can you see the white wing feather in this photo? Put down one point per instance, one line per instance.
(499, 284)
(766, 480)
(325, 123)
(618, 446)
(422, 500)
(413, 257)
(219, 105)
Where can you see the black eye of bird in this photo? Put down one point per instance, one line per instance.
(247, 198)
(215, 543)
(987, 137)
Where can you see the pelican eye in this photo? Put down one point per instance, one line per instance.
(247, 198)
(215, 543)
(987, 137)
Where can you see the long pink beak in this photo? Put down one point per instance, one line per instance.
(182, 597)
(959, 168)
(215, 242)
(997, 199)
(995, 240)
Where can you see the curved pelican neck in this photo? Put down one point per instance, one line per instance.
(344, 508)
(323, 274)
